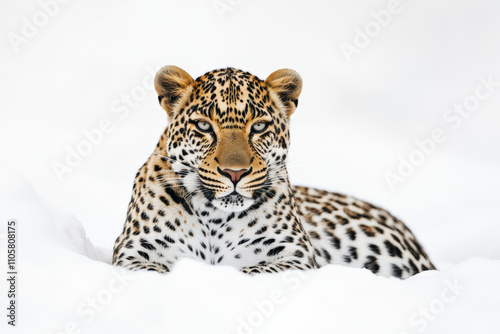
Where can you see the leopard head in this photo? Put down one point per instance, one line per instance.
(227, 137)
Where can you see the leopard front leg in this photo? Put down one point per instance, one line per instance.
(156, 224)
(144, 254)
(281, 265)
(162, 268)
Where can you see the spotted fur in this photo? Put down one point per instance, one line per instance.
(216, 189)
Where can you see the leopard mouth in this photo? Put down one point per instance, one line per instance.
(235, 201)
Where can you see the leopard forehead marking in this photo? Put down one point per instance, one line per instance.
(232, 97)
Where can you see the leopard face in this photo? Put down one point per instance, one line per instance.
(227, 138)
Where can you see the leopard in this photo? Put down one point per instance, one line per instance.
(216, 189)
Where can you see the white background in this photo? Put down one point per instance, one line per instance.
(357, 115)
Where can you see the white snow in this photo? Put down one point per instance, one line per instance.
(87, 72)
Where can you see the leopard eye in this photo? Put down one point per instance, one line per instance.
(259, 127)
(203, 126)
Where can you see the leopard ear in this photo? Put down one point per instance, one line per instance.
(287, 84)
(171, 83)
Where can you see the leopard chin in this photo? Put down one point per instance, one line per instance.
(233, 203)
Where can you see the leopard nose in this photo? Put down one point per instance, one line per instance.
(234, 175)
